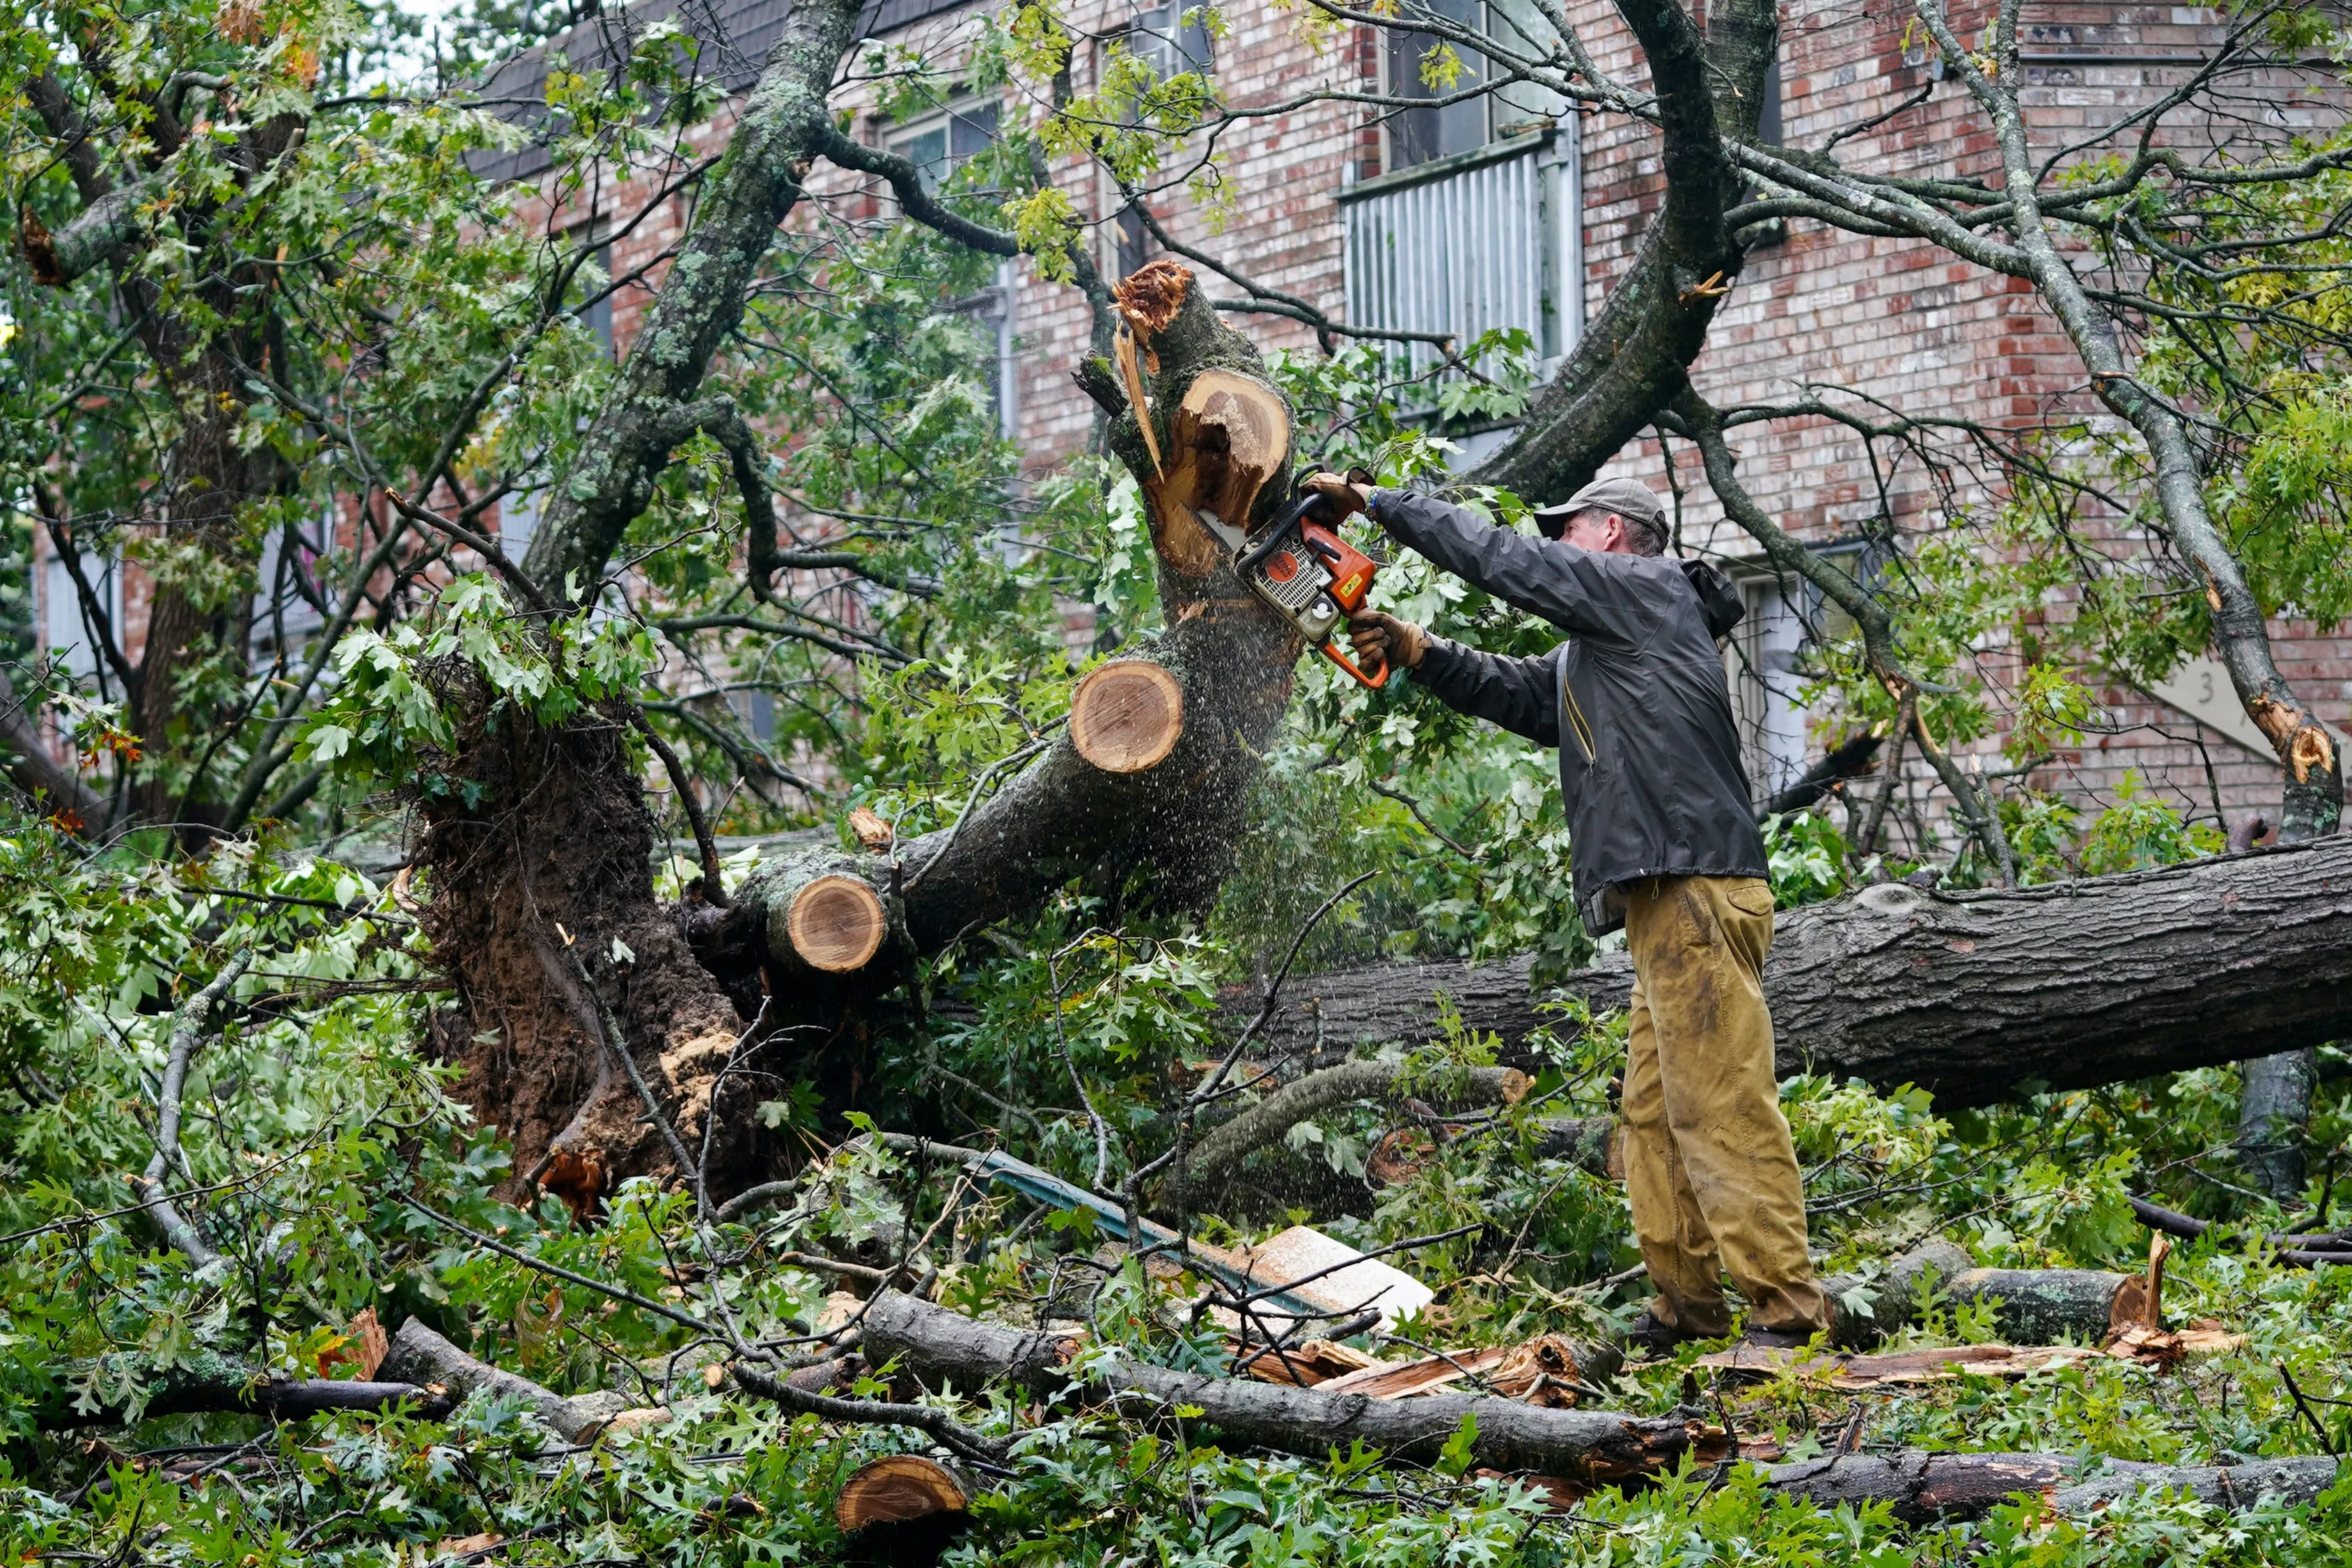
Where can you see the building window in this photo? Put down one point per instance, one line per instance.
(1134, 239)
(1475, 223)
(1441, 130)
(293, 600)
(592, 283)
(66, 623)
(938, 144)
(1765, 656)
(1173, 39)
(518, 520)
(1487, 240)
(1762, 659)
(1769, 133)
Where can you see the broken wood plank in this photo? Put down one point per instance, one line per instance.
(1550, 1370)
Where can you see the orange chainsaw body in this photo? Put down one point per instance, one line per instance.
(1316, 579)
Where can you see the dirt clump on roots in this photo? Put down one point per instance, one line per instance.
(533, 835)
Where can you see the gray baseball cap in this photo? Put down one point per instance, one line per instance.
(1632, 500)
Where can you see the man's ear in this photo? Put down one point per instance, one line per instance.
(1616, 534)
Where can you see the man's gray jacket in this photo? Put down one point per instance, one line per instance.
(1635, 700)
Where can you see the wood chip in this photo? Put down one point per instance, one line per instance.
(1543, 1371)
(1312, 1364)
(871, 830)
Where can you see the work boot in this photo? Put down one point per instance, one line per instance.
(1652, 1338)
(1758, 1337)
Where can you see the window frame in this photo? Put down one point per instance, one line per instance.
(1394, 57)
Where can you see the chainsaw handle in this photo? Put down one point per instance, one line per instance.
(1371, 682)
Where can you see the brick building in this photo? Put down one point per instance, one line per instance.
(1515, 211)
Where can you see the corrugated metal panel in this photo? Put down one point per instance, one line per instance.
(1464, 253)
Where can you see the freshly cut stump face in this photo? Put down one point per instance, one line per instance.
(903, 1512)
(1126, 716)
(836, 924)
(895, 1489)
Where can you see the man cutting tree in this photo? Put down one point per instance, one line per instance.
(1664, 843)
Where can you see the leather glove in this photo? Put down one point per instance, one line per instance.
(1398, 644)
(1345, 496)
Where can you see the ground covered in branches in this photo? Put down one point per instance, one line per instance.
(320, 1155)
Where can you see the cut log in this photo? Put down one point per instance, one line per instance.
(904, 1511)
(835, 923)
(2035, 1306)
(1127, 715)
(895, 1489)
(1595, 1446)
(1923, 1488)
(1589, 1448)
(418, 1355)
(1972, 995)
(2043, 1306)
(1233, 657)
(822, 909)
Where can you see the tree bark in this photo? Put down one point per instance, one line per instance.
(1632, 362)
(2274, 1109)
(213, 1383)
(1595, 1446)
(2043, 1306)
(421, 1356)
(1592, 1447)
(1921, 1488)
(1971, 996)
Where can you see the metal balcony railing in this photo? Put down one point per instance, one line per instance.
(1485, 239)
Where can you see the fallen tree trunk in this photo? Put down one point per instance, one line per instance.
(1588, 1446)
(419, 1355)
(2043, 1306)
(1972, 995)
(1594, 1446)
(1921, 1488)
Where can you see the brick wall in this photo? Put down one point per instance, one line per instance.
(1900, 324)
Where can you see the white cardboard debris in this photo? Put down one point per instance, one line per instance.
(1364, 1282)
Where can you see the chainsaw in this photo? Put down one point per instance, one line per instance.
(1310, 576)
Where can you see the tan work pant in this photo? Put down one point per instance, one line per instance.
(1708, 1162)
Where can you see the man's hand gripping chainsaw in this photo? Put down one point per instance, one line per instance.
(1310, 575)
